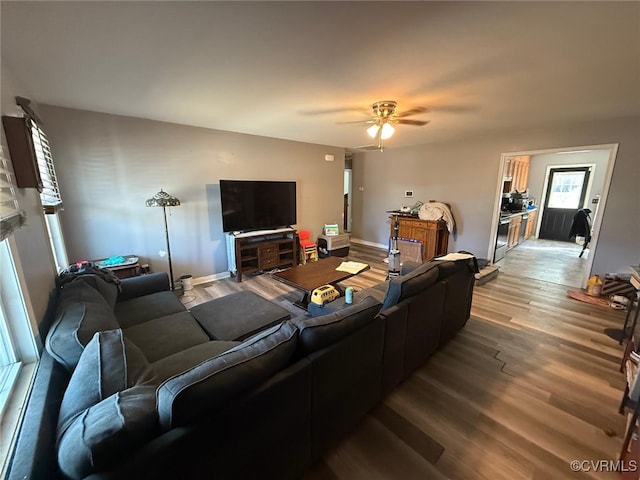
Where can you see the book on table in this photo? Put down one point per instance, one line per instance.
(351, 267)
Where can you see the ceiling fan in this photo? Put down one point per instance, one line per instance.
(384, 119)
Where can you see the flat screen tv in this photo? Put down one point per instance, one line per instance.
(257, 205)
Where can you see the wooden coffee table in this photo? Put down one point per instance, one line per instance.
(312, 275)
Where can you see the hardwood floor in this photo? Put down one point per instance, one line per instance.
(530, 384)
(548, 260)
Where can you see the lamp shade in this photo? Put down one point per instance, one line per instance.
(387, 131)
(373, 130)
(163, 199)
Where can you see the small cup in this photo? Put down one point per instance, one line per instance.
(348, 295)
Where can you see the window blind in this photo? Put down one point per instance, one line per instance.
(50, 195)
(11, 217)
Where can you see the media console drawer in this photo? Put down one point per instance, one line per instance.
(268, 256)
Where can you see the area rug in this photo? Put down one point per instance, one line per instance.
(583, 297)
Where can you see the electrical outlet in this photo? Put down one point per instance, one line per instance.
(408, 193)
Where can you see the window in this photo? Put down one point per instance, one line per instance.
(11, 217)
(57, 241)
(50, 195)
(17, 342)
(566, 189)
(18, 351)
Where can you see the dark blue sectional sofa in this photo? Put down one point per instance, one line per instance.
(131, 385)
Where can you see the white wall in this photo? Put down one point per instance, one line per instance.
(108, 165)
(465, 174)
(34, 258)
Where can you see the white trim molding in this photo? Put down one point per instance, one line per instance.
(370, 244)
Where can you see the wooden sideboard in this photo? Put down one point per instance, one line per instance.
(433, 234)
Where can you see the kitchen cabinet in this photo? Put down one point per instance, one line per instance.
(517, 169)
(531, 224)
(513, 237)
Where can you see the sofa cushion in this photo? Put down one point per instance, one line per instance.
(167, 335)
(408, 285)
(318, 332)
(212, 383)
(142, 309)
(133, 287)
(104, 435)
(109, 364)
(82, 311)
(189, 358)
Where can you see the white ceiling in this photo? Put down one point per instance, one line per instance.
(293, 69)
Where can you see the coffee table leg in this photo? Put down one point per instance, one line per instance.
(303, 303)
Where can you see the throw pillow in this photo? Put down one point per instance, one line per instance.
(107, 289)
(103, 436)
(109, 364)
(82, 311)
(207, 386)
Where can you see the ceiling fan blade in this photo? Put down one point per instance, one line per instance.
(326, 111)
(361, 122)
(367, 147)
(412, 111)
(454, 108)
(418, 123)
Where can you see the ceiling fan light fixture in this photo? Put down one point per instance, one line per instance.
(387, 131)
(373, 130)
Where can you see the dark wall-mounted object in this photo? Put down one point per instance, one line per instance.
(23, 157)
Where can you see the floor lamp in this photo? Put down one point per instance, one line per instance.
(164, 200)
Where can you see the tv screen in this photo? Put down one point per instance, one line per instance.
(257, 205)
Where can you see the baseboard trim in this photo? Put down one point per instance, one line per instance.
(210, 278)
(368, 243)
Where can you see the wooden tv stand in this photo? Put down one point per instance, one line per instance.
(265, 250)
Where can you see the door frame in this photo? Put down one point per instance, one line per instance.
(348, 190)
(545, 188)
(593, 245)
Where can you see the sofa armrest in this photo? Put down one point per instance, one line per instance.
(143, 285)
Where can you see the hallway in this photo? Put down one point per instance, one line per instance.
(547, 260)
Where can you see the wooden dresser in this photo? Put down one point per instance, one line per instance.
(433, 234)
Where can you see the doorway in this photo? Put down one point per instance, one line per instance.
(565, 195)
(596, 178)
(347, 189)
